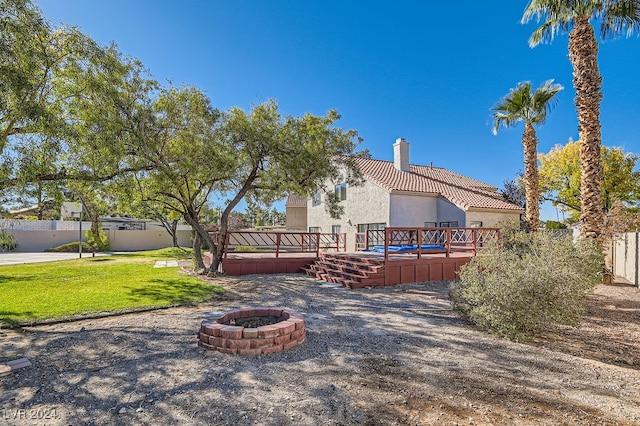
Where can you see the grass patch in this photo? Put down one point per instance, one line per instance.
(64, 289)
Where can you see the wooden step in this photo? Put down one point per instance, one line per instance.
(351, 271)
(347, 269)
(353, 259)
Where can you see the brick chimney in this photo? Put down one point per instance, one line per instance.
(401, 154)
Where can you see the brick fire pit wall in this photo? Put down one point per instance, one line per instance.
(217, 334)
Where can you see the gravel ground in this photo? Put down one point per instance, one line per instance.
(394, 355)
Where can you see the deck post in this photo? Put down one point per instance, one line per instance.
(386, 244)
(447, 243)
(474, 236)
(278, 238)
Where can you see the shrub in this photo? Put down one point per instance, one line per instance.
(245, 248)
(7, 241)
(97, 241)
(533, 283)
(553, 224)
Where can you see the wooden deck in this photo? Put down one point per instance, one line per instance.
(361, 268)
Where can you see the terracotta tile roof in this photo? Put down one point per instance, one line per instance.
(295, 200)
(458, 189)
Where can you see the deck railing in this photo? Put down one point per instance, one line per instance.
(282, 242)
(427, 240)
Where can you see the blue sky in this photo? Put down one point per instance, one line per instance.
(427, 71)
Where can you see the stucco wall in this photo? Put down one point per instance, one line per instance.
(449, 212)
(296, 219)
(364, 204)
(413, 210)
(119, 240)
(490, 218)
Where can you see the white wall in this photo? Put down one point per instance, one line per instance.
(625, 255)
(490, 218)
(413, 210)
(364, 204)
(449, 212)
(34, 241)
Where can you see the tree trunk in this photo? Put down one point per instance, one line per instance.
(531, 178)
(204, 240)
(174, 233)
(583, 52)
(171, 227)
(197, 253)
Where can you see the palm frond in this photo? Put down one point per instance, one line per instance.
(621, 17)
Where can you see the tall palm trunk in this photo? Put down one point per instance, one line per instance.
(583, 52)
(530, 143)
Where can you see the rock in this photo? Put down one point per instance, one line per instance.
(122, 410)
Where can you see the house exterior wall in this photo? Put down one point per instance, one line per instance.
(296, 219)
(413, 210)
(364, 204)
(449, 212)
(490, 218)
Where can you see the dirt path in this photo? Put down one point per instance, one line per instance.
(395, 355)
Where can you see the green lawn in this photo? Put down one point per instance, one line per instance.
(56, 290)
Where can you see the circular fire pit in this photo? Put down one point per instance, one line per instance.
(252, 331)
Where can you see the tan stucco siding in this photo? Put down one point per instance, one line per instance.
(490, 218)
(412, 210)
(449, 212)
(364, 204)
(296, 219)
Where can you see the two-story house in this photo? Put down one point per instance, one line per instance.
(397, 193)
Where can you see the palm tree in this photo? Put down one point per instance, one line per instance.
(531, 108)
(560, 16)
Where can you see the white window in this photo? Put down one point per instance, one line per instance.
(341, 191)
(317, 199)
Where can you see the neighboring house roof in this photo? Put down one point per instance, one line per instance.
(461, 190)
(295, 200)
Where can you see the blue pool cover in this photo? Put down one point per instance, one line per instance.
(405, 248)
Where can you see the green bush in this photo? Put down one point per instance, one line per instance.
(553, 224)
(532, 283)
(97, 241)
(245, 248)
(7, 241)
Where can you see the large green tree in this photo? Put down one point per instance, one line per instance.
(560, 178)
(529, 107)
(257, 155)
(576, 17)
(33, 56)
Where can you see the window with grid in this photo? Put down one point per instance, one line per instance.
(335, 230)
(341, 191)
(317, 199)
(451, 224)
